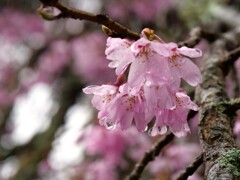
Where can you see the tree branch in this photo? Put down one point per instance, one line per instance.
(230, 59)
(149, 156)
(38, 147)
(197, 34)
(215, 127)
(191, 168)
(68, 12)
(232, 105)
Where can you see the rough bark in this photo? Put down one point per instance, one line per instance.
(215, 126)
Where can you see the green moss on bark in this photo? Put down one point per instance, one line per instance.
(231, 161)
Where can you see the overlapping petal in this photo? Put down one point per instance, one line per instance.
(152, 86)
(118, 51)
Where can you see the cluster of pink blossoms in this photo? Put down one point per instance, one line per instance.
(152, 89)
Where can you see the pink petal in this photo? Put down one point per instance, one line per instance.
(190, 52)
(137, 72)
(139, 45)
(160, 49)
(188, 71)
(186, 102)
(172, 46)
(180, 130)
(100, 90)
(118, 51)
(139, 116)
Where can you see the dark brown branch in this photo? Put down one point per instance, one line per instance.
(149, 156)
(232, 105)
(194, 39)
(115, 28)
(68, 12)
(191, 168)
(230, 59)
(197, 34)
(4, 119)
(236, 83)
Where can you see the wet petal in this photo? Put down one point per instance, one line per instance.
(190, 52)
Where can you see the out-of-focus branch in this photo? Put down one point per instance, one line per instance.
(68, 12)
(230, 59)
(195, 37)
(197, 34)
(149, 156)
(4, 119)
(37, 149)
(228, 15)
(236, 83)
(191, 168)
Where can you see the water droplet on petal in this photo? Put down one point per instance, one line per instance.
(110, 125)
(148, 83)
(162, 130)
(153, 131)
(173, 107)
(186, 128)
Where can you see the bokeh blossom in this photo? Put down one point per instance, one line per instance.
(91, 66)
(108, 151)
(144, 10)
(174, 159)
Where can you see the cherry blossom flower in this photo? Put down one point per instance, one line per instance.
(175, 118)
(117, 107)
(103, 95)
(155, 69)
(118, 51)
(159, 95)
(181, 66)
(149, 60)
(127, 107)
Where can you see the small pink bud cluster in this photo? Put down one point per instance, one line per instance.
(152, 89)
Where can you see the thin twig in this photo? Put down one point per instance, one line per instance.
(191, 168)
(194, 39)
(230, 59)
(236, 82)
(197, 34)
(149, 156)
(117, 30)
(233, 56)
(115, 27)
